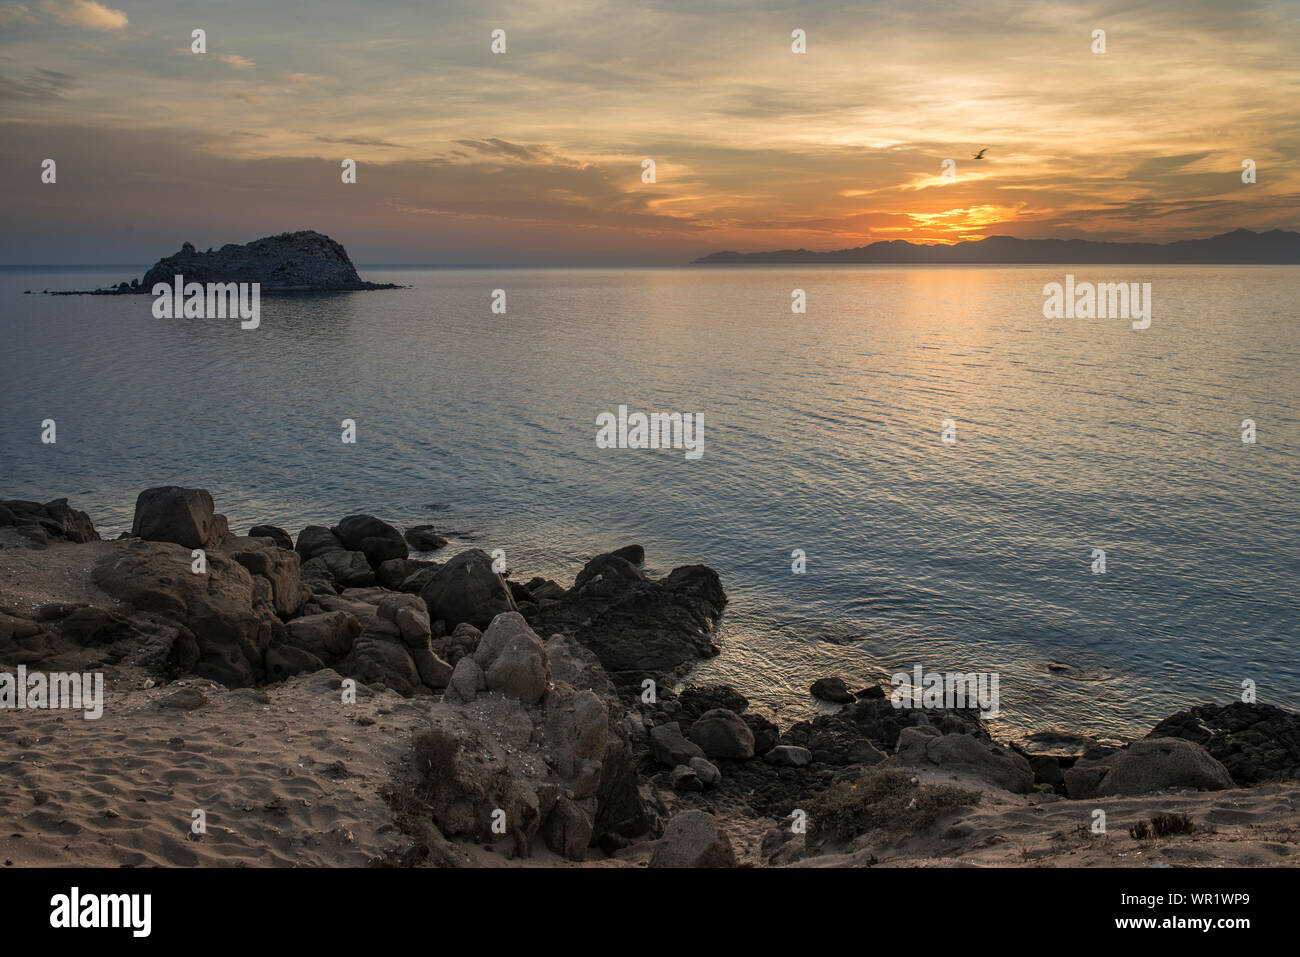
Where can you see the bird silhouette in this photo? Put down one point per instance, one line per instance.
(980, 154)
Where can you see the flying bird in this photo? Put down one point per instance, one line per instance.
(980, 154)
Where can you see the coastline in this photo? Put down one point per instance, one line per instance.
(223, 692)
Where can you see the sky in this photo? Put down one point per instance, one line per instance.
(534, 156)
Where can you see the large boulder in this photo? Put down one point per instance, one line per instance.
(343, 568)
(513, 659)
(280, 567)
(328, 635)
(925, 746)
(185, 516)
(693, 839)
(411, 617)
(1255, 742)
(466, 589)
(377, 660)
(377, 540)
(723, 734)
(316, 540)
(223, 637)
(1147, 766)
(568, 830)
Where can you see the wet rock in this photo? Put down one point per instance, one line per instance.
(377, 540)
(638, 627)
(422, 538)
(833, 690)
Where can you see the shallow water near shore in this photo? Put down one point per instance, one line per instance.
(822, 433)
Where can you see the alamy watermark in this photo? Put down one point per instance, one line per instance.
(56, 691)
(655, 430)
(946, 689)
(215, 300)
(1103, 300)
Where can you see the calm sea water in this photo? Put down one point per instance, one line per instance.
(822, 433)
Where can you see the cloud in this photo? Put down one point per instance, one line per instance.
(359, 141)
(39, 85)
(234, 59)
(85, 13)
(15, 14)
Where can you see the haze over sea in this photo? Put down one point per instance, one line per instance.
(822, 433)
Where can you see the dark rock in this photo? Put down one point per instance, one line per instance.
(343, 568)
(1255, 742)
(56, 519)
(170, 513)
(833, 690)
(422, 538)
(315, 540)
(280, 567)
(723, 734)
(683, 778)
(223, 636)
(637, 626)
(328, 636)
(670, 748)
(285, 661)
(766, 733)
(377, 540)
(858, 733)
(568, 830)
(789, 756)
(1146, 766)
(274, 533)
(393, 573)
(697, 700)
(630, 553)
(466, 589)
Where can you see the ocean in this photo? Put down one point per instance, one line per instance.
(823, 432)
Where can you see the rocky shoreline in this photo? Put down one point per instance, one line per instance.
(539, 722)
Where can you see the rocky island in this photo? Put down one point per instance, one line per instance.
(343, 698)
(305, 261)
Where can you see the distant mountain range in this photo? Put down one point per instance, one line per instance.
(1241, 246)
